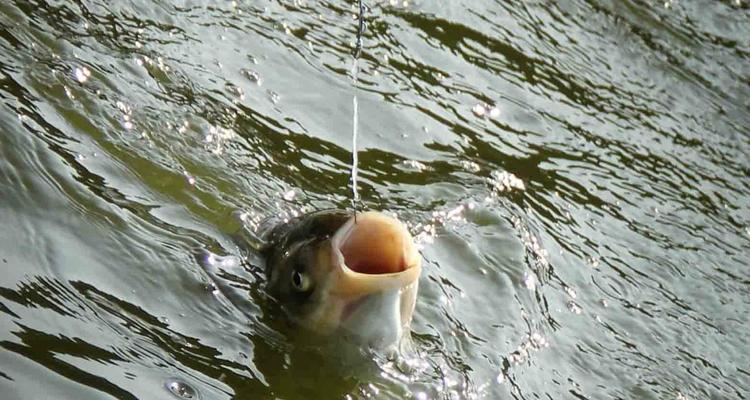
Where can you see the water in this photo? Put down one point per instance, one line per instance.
(577, 174)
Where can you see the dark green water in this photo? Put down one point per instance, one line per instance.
(134, 135)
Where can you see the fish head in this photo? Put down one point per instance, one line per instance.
(358, 276)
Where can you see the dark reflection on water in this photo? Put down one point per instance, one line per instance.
(576, 172)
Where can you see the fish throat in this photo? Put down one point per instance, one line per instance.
(374, 246)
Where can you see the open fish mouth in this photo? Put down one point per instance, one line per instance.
(374, 253)
(376, 266)
(374, 244)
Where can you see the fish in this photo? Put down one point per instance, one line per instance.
(333, 272)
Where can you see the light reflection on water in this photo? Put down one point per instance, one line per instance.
(576, 174)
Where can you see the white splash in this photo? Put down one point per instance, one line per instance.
(503, 181)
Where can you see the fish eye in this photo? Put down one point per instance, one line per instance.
(300, 281)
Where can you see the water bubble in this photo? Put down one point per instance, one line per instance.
(533, 342)
(426, 234)
(529, 280)
(210, 287)
(164, 320)
(415, 165)
(82, 74)
(235, 90)
(289, 195)
(479, 110)
(274, 97)
(181, 389)
(252, 76)
(184, 127)
(484, 110)
(538, 340)
(127, 115)
(470, 166)
(494, 112)
(190, 179)
(503, 181)
(160, 64)
(455, 214)
(574, 308)
(216, 138)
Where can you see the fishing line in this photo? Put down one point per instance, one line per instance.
(360, 30)
(355, 108)
(355, 160)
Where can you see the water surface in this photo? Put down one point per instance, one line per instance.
(577, 172)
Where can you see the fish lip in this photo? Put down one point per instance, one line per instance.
(352, 284)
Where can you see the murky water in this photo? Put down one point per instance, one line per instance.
(577, 172)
